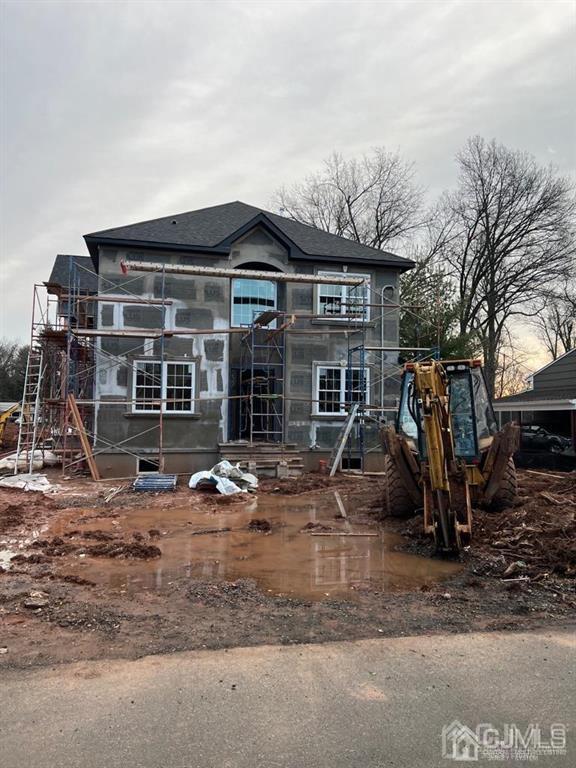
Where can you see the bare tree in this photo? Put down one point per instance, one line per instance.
(512, 369)
(510, 224)
(555, 318)
(430, 308)
(372, 200)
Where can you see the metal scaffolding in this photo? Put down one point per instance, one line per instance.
(262, 377)
(67, 352)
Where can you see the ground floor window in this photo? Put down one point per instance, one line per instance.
(149, 464)
(169, 387)
(336, 388)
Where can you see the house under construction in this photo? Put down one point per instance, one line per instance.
(227, 332)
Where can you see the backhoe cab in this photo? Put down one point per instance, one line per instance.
(445, 454)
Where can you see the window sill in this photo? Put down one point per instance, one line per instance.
(155, 415)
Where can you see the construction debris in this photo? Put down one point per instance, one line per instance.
(35, 600)
(226, 478)
(27, 482)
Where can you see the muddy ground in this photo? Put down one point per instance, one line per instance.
(95, 570)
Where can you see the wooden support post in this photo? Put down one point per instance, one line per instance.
(86, 447)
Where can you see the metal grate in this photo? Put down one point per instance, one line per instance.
(155, 482)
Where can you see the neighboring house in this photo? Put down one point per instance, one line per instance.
(551, 401)
(203, 382)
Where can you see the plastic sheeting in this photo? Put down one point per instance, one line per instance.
(227, 478)
(32, 482)
(39, 459)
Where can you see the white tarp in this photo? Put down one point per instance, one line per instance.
(227, 478)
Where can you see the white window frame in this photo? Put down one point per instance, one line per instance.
(344, 289)
(318, 367)
(264, 309)
(164, 387)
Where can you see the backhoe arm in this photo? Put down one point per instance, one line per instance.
(447, 507)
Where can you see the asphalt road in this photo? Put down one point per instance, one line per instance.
(359, 704)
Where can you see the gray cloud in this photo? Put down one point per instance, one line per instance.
(117, 112)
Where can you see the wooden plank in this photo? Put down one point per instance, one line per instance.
(336, 456)
(547, 474)
(86, 447)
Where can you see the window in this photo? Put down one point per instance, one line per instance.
(339, 300)
(147, 465)
(174, 385)
(147, 386)
(250, 298)
(337, 388)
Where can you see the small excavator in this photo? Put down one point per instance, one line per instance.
(446, 454)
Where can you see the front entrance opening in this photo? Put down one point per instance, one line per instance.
(257, 415)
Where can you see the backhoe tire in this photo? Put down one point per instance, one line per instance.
(397, 501)
(506, 495)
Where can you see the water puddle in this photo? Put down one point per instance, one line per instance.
(284, 561)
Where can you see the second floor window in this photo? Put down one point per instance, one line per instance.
(344, 301)
(170, 387)
(250, 298)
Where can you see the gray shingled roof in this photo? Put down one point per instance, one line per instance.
(211, 227)
(532, 395)
(84, 272)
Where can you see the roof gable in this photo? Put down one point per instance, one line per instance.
(570, 353)
(79, 267)
(215, 228)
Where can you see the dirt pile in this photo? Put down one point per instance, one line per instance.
(312, 481)
(131, 549)
(16, 507)
(260, 526)
(530, 541)
(536, 537)
(57, 547)
(230, 594)
(316, 528)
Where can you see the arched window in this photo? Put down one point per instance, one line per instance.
(252, 297)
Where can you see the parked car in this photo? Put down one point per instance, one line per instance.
(537, 438)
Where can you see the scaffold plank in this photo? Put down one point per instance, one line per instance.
(250, 274)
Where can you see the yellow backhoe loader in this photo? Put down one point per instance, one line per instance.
(5, 417)
(445, 454)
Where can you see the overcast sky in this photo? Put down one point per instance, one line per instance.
(117, 112)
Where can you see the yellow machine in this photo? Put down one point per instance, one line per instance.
(5, 418)
(445, 454)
